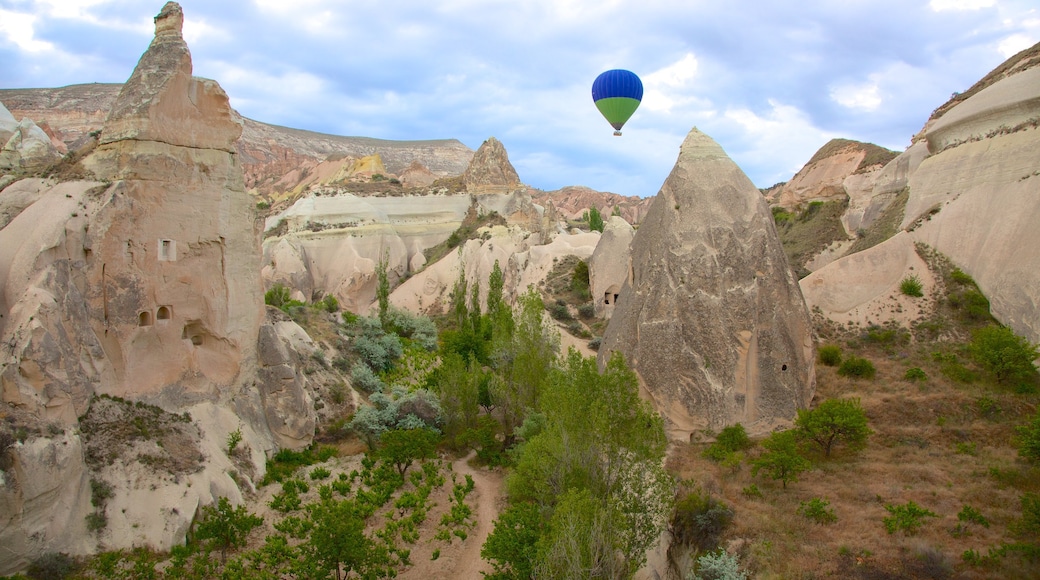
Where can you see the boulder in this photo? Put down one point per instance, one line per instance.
(8, 124)
(711, 317)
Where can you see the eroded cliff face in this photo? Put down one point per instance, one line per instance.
(711, 316)
(973, 193)
(143, 287)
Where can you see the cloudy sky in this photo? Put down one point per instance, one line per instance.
(770, 80)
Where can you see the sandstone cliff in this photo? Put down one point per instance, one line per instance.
(573, 201)
(143, 288)
(711, 316)
(972, 184)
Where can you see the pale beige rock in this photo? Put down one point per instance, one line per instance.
(610, 265)
(711, 318)
(8, 124)
(46, 502)
(28, 147)
(863, 288)
(823, 179)
(1003, 105)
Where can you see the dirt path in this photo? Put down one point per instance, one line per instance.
(487, 493)
(461, 560)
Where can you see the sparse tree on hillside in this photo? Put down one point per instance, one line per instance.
(383, 289)
(781, 460)
(834, 421)
(226, 527)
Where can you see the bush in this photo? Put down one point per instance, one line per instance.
(587, 310)
(915, 374)
(730, 440)
(278, 296)
(51, 566)
(830, 355)
(906, 518)
(817, 509)
(1005, 354)
(719, 566)
(1028, 439)
(856, 367)
(781, 459)
(970, 515)
(363, 378)
(698, 521)
(911, 286)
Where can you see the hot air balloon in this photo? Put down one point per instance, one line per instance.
(617, 94)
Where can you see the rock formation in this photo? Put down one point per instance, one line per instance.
(144, 287)
(711, 316)
(972, 185)
(610, 264)
(490, 170)
(29, 147)
(573, 201)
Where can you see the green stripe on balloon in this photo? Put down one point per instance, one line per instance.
(617, 110)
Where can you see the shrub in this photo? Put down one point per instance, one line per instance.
(320, 473)
(1005, 354)
(830, 355)
(51, 566)
(730, 440)
(752, 492)
(699, 520)
(970, 515)
(278, 296)
(958, 276)
(911, 286)
(915, 374)
(906, 518)
(817, 509)
(363, 378)
(857, 367)
(1028, 439)
(719, 565)
(233, 439)
(587, 310)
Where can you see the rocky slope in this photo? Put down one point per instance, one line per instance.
(268, 153)
(711, 316)
(971, 183)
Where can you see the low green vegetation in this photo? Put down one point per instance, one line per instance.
(912, 286)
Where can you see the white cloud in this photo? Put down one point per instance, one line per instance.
(196, 30)
(864, 96)
(781, 141)
(19, 30)
(670, 86)
(1014, 44)
(941, 5)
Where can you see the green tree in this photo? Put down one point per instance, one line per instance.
(781, 460)
(834, 421)
(226, 527)
(458, 385)
(595, 220)
(525, 362)
(513, 544)
(1029, 439)
(383, 287)
(600, 451)
(337, 543)
(278, 295)
(401, 447)
(1008, 356)
(496, 287)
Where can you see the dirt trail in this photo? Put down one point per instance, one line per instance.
(462, 561)
(487, 492)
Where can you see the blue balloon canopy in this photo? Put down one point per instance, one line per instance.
(617, 94)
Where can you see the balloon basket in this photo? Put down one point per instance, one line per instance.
(617, 133)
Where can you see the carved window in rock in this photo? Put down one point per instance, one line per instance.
(195, 332)
(167, 250)
(163, 314)
(144, 318)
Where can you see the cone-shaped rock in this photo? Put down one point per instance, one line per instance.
(490, 170)
(711, 317)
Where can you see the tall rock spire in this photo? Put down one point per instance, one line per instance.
(711, 317)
